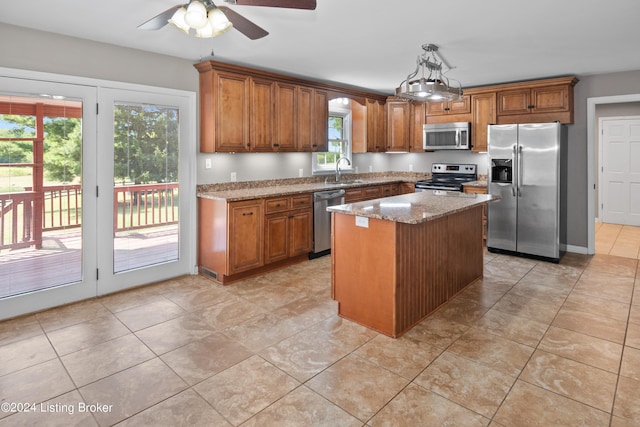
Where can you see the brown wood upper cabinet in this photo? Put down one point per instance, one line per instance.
(542, 101)
(461, 106)
(247, 110)
(398, 124)
(484, 114)
(418, 119)
(376, 138)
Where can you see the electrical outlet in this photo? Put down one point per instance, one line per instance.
(410, 168)
(207, 164)
(300, 173)
(233, 177)
(370, 168)
(356, 169)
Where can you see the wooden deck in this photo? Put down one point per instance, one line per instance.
(59, 261)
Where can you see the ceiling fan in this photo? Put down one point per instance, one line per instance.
(210, 20)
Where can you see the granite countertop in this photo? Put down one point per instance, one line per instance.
(415, 208)
(479, 183)
(233, 192)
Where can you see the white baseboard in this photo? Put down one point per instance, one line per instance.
(577, 249)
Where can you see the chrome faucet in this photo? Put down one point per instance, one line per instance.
(338, 166)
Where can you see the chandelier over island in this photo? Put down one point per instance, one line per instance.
(428, 82)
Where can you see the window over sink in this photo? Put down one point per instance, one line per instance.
(339, 139)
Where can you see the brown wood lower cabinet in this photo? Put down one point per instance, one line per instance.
(238, 239)
(289, 231)
(231, 237)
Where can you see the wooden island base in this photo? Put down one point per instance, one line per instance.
(390, 275)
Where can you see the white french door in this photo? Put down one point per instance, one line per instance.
(146, 188)
(620, 171)
(97, 188)
(47, 182)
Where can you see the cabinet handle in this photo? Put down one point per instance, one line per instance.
(276, 145)
(290, 216)
(247, 213)
(277, 205)
(248, 145)
(531, 106)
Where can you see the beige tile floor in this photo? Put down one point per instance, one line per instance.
(619, 240)
(532, 343)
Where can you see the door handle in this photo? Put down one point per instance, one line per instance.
(520, 172)
(458, 138)
(513, 175)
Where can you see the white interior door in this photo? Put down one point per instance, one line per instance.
(146, 212)
(620, 171)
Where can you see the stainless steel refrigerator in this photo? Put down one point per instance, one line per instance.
(528, 172)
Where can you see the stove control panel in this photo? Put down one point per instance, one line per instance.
(456, 168)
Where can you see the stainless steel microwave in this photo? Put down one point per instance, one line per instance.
(446, 136)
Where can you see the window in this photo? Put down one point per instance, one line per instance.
(339, 139)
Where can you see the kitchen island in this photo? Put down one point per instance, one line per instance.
(397, 259)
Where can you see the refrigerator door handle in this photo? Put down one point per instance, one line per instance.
(520, 174)
(513, 175)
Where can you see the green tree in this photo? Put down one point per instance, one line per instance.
(62, 149)
(145, 144)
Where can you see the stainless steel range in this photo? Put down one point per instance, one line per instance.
(448, 177)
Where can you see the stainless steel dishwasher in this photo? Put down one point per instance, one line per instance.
(322, 220)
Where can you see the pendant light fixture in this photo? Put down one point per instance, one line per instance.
(427, 82)
(202, 16)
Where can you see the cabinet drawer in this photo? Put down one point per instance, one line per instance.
(372, 192)
(277, 205)
(303, 201)
(352, 195)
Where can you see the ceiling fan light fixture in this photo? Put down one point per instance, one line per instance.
(177, 20)
(196, 15)
(219, 22)
(432, 85)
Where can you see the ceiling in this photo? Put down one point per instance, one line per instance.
(373, 44)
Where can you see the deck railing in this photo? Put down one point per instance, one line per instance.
(134, 207)
(144, 205)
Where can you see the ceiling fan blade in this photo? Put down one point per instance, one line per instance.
(243, 25)
(160, 20)
(289, 4)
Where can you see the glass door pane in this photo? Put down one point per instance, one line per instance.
(40, 192)
(146, 217)
(146, 185)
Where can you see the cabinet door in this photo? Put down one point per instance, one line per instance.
(231, 112)
(418, 111)
(515, 101)
(304, 118)
(320, 118)
(300, 232)
(261, 108)
(374, 192)
(276, 238)
(375, 126)
(437, 108)
(285, 117)
(398, 121)
(549, 99)
(245, 239)
(460, 106)
(484, 114)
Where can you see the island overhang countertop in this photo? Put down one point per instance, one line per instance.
(415, 208)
